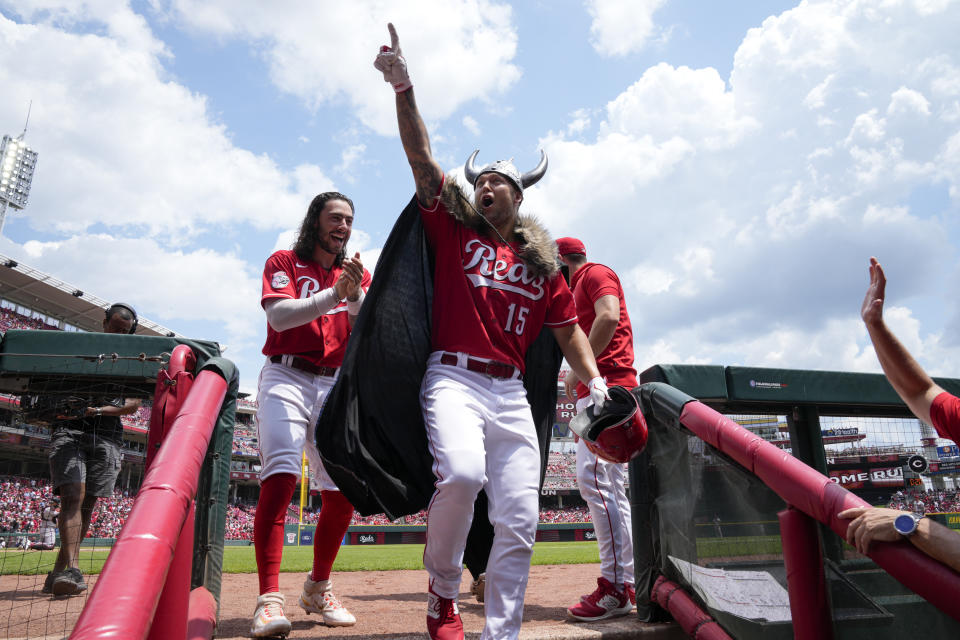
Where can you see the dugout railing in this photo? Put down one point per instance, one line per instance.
(702, 468)
(162, 577)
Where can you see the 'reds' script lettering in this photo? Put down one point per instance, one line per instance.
(308, 286)
(485, 270)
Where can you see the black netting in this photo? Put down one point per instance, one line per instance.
(707, 524)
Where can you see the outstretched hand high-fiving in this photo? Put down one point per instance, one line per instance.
(872, 308)
(392, 63)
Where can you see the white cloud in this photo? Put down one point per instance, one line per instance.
(908, 102)
(471, 125)
(648, 279)
(319, 56)
(742, 214)
(620, 27)
(170, 286)
(122, 145)
(668, 102)
(580, 122)
(867, 128)
(350, 157)
(816, 98)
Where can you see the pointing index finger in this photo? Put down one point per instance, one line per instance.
(394, 39)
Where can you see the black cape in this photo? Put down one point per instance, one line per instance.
(370, 434)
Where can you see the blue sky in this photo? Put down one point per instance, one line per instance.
(736, 163)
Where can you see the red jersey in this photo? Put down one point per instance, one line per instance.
(591, 282)
(945, 416)
(485, 300)
(321, 341)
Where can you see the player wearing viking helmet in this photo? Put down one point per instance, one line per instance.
(496, 284)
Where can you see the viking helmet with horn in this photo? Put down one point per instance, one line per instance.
(507, 170)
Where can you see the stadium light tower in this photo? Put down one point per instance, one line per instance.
(17, 164)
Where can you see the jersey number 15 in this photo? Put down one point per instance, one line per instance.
(516, 319)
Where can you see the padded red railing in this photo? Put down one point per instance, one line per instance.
(817, 496)
(696, 622)
(160, 523)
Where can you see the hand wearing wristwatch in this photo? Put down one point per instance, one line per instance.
(906, 523)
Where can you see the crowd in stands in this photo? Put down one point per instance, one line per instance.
(239, 522)
(22, 501)
(244, 430)
(10, 319)
(567, 514)
(929, 501)
(245, 447)
(562, 465)
(561, 471)
(139, 420)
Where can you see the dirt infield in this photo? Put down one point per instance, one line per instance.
(387, 604)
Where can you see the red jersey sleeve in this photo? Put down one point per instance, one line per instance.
(367, 279)
(278, 276)
(945, 415)
(561, 310)
(600, 281)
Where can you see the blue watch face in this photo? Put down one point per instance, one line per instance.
(905, 524)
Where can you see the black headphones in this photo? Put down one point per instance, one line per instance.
(123, 305)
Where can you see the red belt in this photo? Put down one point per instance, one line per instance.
(296, 362)
(492, 368)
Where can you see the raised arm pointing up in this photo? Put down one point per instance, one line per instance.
(413, 134)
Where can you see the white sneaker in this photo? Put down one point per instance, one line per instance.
(268, 619)
(317, 597)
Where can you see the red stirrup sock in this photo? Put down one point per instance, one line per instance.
(275, 494)
(335, 514)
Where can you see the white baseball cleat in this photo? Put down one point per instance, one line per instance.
(268, 618)
(317, 597)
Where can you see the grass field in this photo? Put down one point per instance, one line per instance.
(390, 557)
(385, 557)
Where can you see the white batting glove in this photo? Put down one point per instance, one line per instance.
(598, 392)
(392, 63)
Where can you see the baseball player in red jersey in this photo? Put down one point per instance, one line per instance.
(496, 285)
(310, 295)
(602, 313)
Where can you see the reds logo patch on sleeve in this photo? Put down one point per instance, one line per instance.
(279, 280)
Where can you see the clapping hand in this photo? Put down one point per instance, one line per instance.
(350, 279)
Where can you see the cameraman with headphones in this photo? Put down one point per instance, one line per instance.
(84, 465)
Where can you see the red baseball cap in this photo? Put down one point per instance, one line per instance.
(566, 246)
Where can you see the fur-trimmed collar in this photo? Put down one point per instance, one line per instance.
(537, 248)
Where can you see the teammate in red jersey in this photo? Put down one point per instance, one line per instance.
(496, 285)
(931, 404)
(603, 316)
(310, 295)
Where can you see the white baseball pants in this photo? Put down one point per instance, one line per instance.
(602, 487)
(288, 405)
(481, 436)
